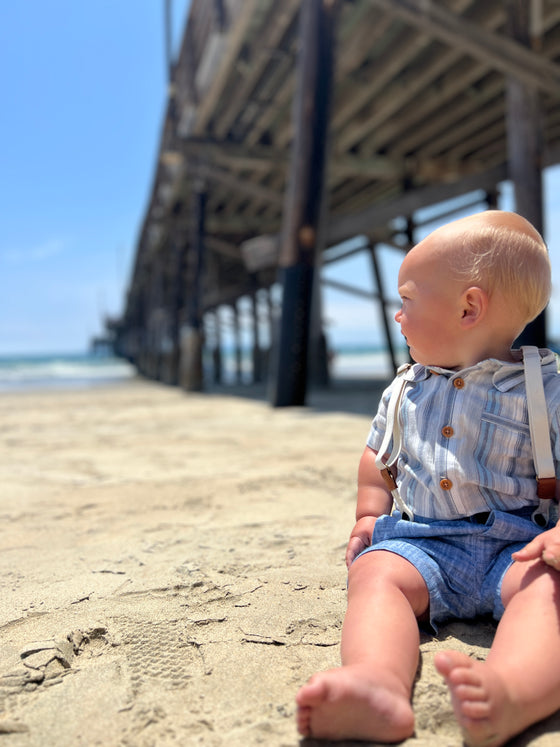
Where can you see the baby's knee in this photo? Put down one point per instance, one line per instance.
(381, 570)
(542, 581)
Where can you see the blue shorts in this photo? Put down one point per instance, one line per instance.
(462, 561)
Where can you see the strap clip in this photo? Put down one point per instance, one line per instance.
(546, 488)
(387, 475)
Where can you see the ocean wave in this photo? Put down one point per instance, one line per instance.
(25, 372)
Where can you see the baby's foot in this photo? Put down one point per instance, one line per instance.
(482, 705)
(344, 704)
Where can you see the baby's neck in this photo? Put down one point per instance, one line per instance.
(497, 352)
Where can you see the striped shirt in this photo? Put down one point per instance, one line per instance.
(466, 440)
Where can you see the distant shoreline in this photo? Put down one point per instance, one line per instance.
(22, 373)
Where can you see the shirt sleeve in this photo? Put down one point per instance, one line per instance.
(555, 438)
(378, 425)
(552, 394)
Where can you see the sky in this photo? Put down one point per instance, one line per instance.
(84, 89)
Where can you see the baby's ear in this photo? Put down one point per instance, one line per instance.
(474, 306)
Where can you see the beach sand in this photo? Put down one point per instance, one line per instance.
(172, 568)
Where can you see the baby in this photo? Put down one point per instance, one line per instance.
(469, 537)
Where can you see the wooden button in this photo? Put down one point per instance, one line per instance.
(458, 383)
(445, 484)
(447, 431)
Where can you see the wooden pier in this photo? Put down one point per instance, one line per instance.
(292, 126)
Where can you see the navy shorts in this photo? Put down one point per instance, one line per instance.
(462, 561)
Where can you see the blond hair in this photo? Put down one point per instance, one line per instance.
(511, 259)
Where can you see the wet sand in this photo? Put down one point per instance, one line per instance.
(172, 568)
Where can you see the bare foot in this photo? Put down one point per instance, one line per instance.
(345, 703)
(483, 707)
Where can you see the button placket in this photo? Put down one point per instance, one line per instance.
(447, 431)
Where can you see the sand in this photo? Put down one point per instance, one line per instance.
(172, 568)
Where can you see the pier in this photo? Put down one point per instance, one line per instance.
(294, 126)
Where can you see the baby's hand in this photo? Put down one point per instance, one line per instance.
(360, 538)
(545, 546)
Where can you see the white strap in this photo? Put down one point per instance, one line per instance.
(393, 431)
(540, 429)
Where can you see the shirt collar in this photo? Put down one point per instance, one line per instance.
(505, 374)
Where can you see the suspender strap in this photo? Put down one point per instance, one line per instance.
(538, 424)
(393, 431)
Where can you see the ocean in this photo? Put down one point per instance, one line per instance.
(365, 362)
(83, 370)
(61, 371)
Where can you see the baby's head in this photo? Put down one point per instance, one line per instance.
(502, 253)
(470, 287)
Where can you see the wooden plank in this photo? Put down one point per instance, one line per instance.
(408, 111)
(268, 42)
(506, 55)
(234, 42)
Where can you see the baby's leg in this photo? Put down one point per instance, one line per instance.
(368, 697)
(519, 683)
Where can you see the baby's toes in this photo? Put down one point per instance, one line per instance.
(470, 693)
(474, 709)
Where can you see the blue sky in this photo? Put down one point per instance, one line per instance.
(84, 87)
(84, 95)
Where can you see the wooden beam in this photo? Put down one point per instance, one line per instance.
(303, 210)
(234, 42)
(224, 248)
(506, 55)
(267, 158)
(185, 71)
(352, 290)
(383, 304)
(191, 376)
(379, 90)
(376, 216)
(244, 186)
(268, 43)
(525, 148)
(225, 295)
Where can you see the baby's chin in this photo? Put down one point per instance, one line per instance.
(430, 363)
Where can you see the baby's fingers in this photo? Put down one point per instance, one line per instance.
(551, 554)
(546, 546)
(355, 547)
(531, 551)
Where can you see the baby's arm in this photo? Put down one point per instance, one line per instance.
(374, 499)
(545, 546)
